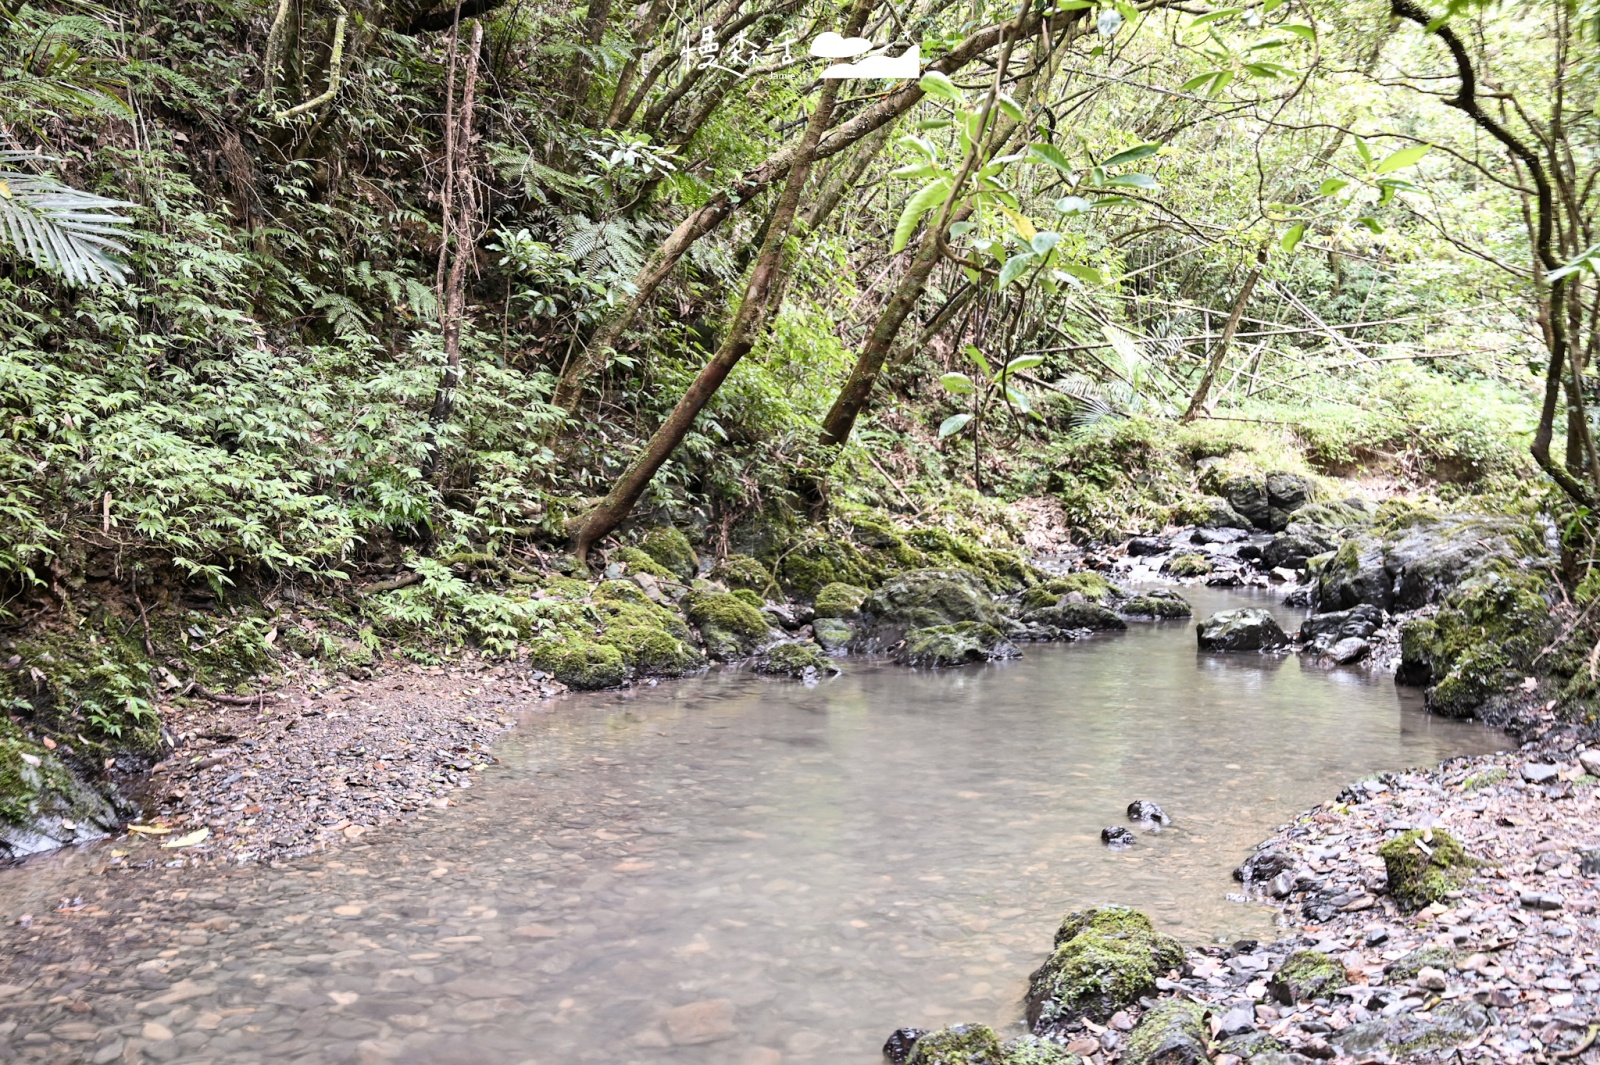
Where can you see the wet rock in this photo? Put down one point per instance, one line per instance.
(1324, 630)
(1245, 629)
(730, 627)
(1349, 650)
(954, 645)
(1172, 1033)
(697, 1023)
(1144, 810)
(1354, 576)
(1104, 960)
(1410, 965)
(1247, 495)
(1032, 1050)
(1305, 975)
(43, 804)
(1188, 565)
(1117, 837)
(1286, 493)
(797, 659)
(1447, 1025)
(833, 634)
(960, 1044)
(1424, 866)
(839, 600)
(1141, 546)
(921, 599)
(1263, 865)
(1290, 551)
(897, 1048)
(1160, 604)
(1066, 617)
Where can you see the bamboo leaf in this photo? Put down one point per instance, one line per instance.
(958, 383)
(921, 202)
(1403, 158)
(953, 424)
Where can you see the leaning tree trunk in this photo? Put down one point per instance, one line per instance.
(747, 327)
(1198, 401)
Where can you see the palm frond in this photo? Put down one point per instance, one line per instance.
(59, 228)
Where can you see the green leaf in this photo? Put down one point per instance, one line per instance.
(1134, 181)
(958, 383)
(1214, 16)
(1332, 186)
(1009, 107)
(1014, 268)
(1073, 205)
(1051, 155)
(1403, 158)
(933, 123)
(977, 356)
(1115, 201)
(924, 200)
(1371, 223)
(1044, 242)
(1198, 80)
(1019, 399)
(937, 85)
(1224, 79)
(1084, 273)
(1132, 155)
(953, 425)
(1293, 237)
(1023, 362)
(1307, 32)
(912, 170)
(1363, 151)
(1586, 261)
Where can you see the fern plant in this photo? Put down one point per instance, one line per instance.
(59, 228)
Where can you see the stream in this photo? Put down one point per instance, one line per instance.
(737, 870)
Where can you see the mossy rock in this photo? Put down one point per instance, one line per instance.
(839, 600)
(1032, 1050)
(670, 548)
(1105, 959)
(638, 561)
(584, 665)
(1001, 571)
(1171, 1033)
(1408, 1036)
(795, 660)
(1422, 872)
(40, 796)
(954, 645)
(745, 595)
(1192, 564)
(730, 627)
(654, 651)
(1407, 966)
(960, 1044)
(1305, 975)
(1209, 512)
(925, 599)
(1162, 607)
(1068, 617)
(1250, 1045)
(807, 569)
(833, 634)
(567, 588)
(1091, 586)
(742, 571)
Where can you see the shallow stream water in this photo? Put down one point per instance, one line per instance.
(735, 870)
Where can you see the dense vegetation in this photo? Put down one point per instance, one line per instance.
(298, 297)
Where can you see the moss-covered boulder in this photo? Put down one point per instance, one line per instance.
(670, 548)
(1306, 975)
(795, 659)
(585, 665)
(1158, 605)
(839, 600)
(1172, 1033)
(1424, 866)
(1210, 512)
(1032, 1050)
(1104, 960)
(924, 599)
(1408, 1036)
(833, 634)
(1355, 575)
(43, 805)
(1079, 587)
(814, 564)
(954, 645)
(637, 561)
(1067, 617)
(652, 640)
(1485, 636)
(960, 1044)
(1002, 571)
(729, 627)
(742, 571)
(1192, 564)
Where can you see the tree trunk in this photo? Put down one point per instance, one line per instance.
(1198, 401)
(642, 35)
(752, 317)
(596, 354)
(594, 32)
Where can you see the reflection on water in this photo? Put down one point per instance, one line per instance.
(735, 870)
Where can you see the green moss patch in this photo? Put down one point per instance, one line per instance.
(742, 571)
(1104, 960)
(730, 627)
(795, 660)
(953, 645)
(1192, 564)
(960, 1044)
(839, 600)
(670, 548)
(638, 561)
(1305, 975)
(1424, 870)
(1161, 607)
(1485, 636)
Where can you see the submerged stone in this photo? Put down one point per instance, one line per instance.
(897, 1048)
(1144, 810)
(1105, 959)
(1246, 629)
(1117, 837)
(1424, 870)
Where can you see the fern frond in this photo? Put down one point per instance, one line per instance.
(59, 228)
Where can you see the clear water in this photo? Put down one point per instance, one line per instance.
(804, 869)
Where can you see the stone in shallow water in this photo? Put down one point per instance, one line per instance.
(1116, 836)
(1246, 629)
(1144, 810)
(700, 1022)
(897, 1048)
(1350, 650)
(1105, 959)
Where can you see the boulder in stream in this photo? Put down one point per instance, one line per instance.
(922, 599)
(959, 1044)
(1160, 604)
(1172, 1033)
(1104, 959)
(1245, 629)
(954, 645)
(1145, 810)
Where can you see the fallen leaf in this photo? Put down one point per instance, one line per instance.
(49, 744)
(191, 839)
(149, 830)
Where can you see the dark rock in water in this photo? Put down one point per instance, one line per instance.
(897, 1048)
(1447, 1025)
(1141, 546)
(1221, 534)
(1305, 975)
(922, 599)
(1246, 629)
(1249, 552)
(1355, 575)
(1157, 604)
(1291, 551)
(1327, 629)
(1067, 617)
(1263, 866)
(1144, 810)
(1117, 836)
(1349, 650)
(954, 645)
(1172, 1033)
(1300, 597)
(959, 1044)
(1105, 959)
(1231, 579)
(795, 659)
